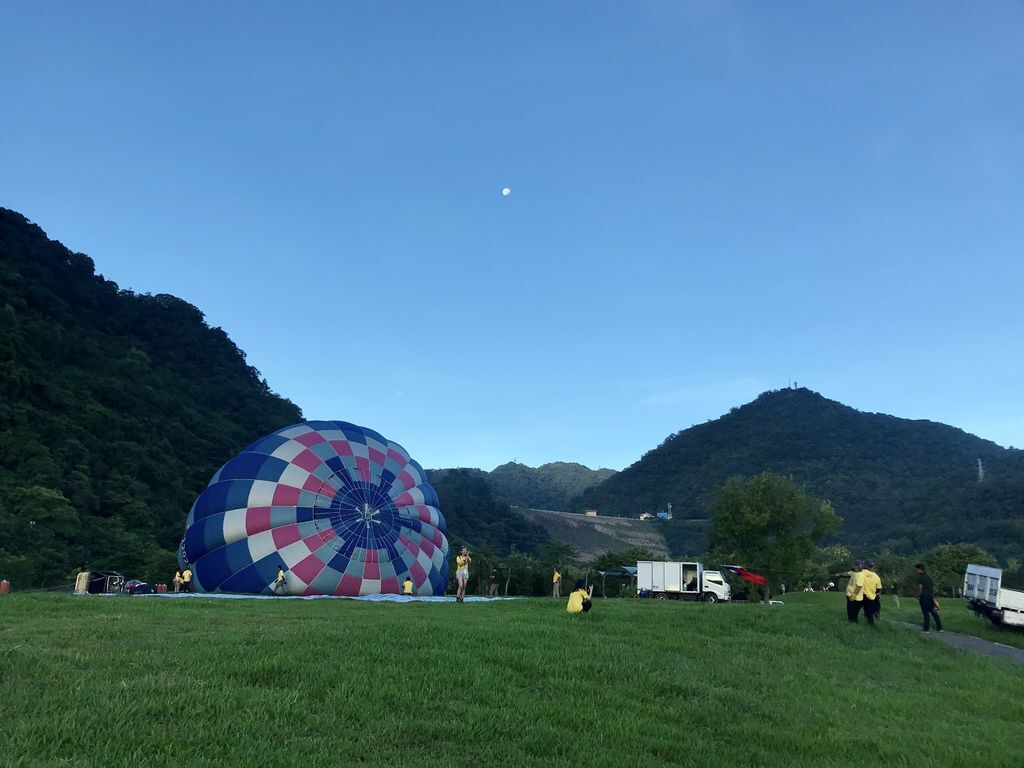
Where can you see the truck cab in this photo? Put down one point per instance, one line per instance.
(716, 587)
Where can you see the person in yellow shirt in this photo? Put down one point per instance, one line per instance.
(407, 586)
(177, 581)
(280, 585)
(872, 593)
(556, 583)
(462, 563)
(855, 593)
(186, 580)
(580, 598)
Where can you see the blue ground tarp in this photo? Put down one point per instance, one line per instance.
(367, 598)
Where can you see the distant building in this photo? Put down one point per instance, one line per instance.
(590, 512)
(646, 516)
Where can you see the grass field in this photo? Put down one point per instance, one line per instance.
(120, 681)
(957, 618)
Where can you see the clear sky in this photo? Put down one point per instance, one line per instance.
(708, 200)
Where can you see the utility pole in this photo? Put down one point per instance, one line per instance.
(981, 472)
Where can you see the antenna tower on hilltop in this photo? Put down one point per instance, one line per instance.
(981, 472)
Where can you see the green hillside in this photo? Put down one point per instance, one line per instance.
(897, 483)
(476, 518)
(549, 486)
(115, 410)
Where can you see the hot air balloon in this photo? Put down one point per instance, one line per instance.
(341, 509)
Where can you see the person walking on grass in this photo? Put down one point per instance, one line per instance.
(462, 563)
(556, 583)
(186, 580)
(872, 593)
(580, 601)
(855, 593)
(280, 585)
(177, 581)
(926, 598)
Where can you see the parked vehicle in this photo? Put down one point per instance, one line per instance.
(98, 582)
(138, 587)
(987, 597)
(680, 581)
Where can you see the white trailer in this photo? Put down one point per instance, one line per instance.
(680, 581)
(986, 596)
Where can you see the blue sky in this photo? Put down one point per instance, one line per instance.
(709, 199)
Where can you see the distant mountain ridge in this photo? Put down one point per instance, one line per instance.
(550, 486)
(898, 483)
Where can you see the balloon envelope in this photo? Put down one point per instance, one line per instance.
(342, 509)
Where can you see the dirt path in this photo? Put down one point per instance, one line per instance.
(971, 643)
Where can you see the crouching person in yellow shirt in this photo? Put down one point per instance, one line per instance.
(580, 599)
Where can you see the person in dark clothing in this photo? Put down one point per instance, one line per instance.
(926, 597)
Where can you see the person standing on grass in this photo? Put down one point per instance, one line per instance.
(855, 593)
(186, 580)
(556, 583)
(407, 586)
(462, 563)
(926, 598)
(580, 601)
(177, 581)
(872, 593)
(493, 589)
(896, 594)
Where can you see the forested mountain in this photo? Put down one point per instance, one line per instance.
(115, 410)
(900, 484)
(476, 518)
(549, 486)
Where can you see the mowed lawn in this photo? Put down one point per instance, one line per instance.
(119, 681)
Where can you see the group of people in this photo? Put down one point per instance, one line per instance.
(281, 583)
(580, 600)
(182, 580)
(864, 593)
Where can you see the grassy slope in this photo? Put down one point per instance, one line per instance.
(957, 618)
(123, 681)
(593, 536)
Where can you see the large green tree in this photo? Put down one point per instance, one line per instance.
(947, 564)
(769, 524)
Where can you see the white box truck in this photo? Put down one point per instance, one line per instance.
(680, 581)
(986, 596)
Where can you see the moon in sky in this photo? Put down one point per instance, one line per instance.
(506, 192)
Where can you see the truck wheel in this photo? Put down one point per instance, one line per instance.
(710, 597)
(661, 596)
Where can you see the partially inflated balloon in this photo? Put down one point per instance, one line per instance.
(341, 509)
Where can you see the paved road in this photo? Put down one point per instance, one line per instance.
(972, 644)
